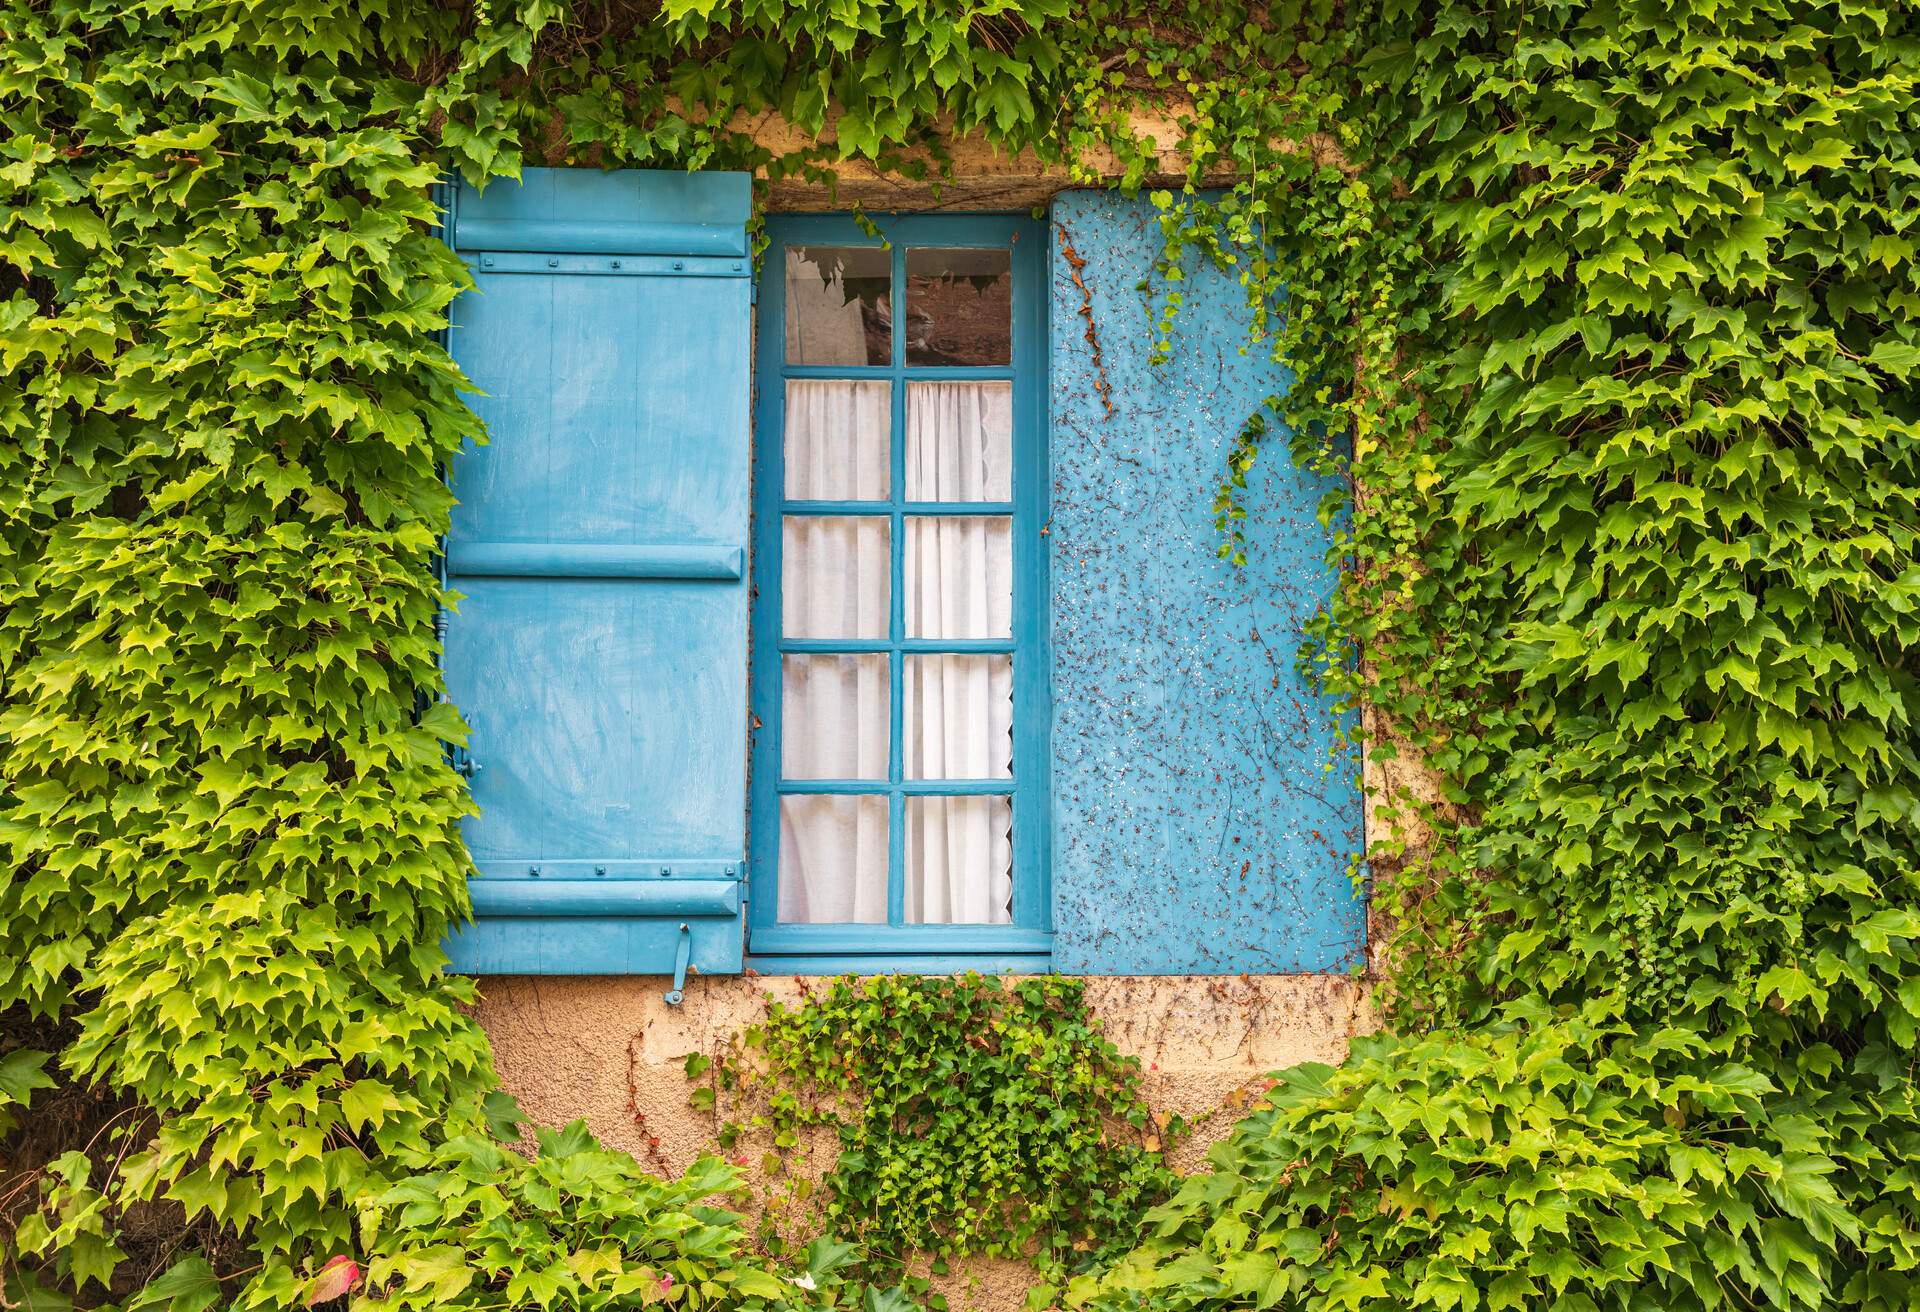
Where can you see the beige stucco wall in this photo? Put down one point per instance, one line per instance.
(612, 1052)
(981, 176)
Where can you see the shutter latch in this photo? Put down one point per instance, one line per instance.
(682, 955)
(463, 763)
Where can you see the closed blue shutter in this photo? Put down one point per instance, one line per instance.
(1197, 828)
(600, 652)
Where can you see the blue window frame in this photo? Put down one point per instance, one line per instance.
(890, 356)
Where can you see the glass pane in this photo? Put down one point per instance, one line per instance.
(959, 307)
(833, 860)
(959, 576)
(834, 576)
(959, 861)
(836, 439)
(960, 441)
(958, 713)
(839, 307)
(834, 717)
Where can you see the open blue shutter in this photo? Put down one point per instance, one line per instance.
(600, 652)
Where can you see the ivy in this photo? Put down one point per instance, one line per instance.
(972, 1116)
(230, 834)
(1603, 310)
(1635, 452)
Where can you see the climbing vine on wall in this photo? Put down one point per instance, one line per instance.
(1636, 445)
(966, 1115)
(1607, 309)
(230, 837)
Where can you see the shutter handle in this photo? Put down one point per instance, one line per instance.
(681, 956)
(463, 763)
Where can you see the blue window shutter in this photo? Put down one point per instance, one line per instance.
(600, 652)
(1196, 828)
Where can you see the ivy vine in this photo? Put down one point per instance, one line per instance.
(1606, 310)
(971, 1116)
(1630, 361)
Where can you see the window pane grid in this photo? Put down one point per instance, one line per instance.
(899, 511)
(897, 471)
(897, 455)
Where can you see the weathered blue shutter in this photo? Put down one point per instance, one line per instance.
(1196, 826)
(600, 653)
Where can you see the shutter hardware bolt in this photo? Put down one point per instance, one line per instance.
(534, 871)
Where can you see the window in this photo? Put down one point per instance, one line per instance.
(884, 626)
(900, 615)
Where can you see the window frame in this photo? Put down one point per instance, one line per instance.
(1025, 944)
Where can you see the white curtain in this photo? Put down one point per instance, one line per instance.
(959, 441)
(833, 860)
(834, 709)
(957, 710)
(836, 440)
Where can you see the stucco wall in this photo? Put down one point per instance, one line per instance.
(612, 1052)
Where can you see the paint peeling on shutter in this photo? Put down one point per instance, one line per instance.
(600, 651)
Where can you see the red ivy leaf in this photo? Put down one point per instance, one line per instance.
(339, 1275)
